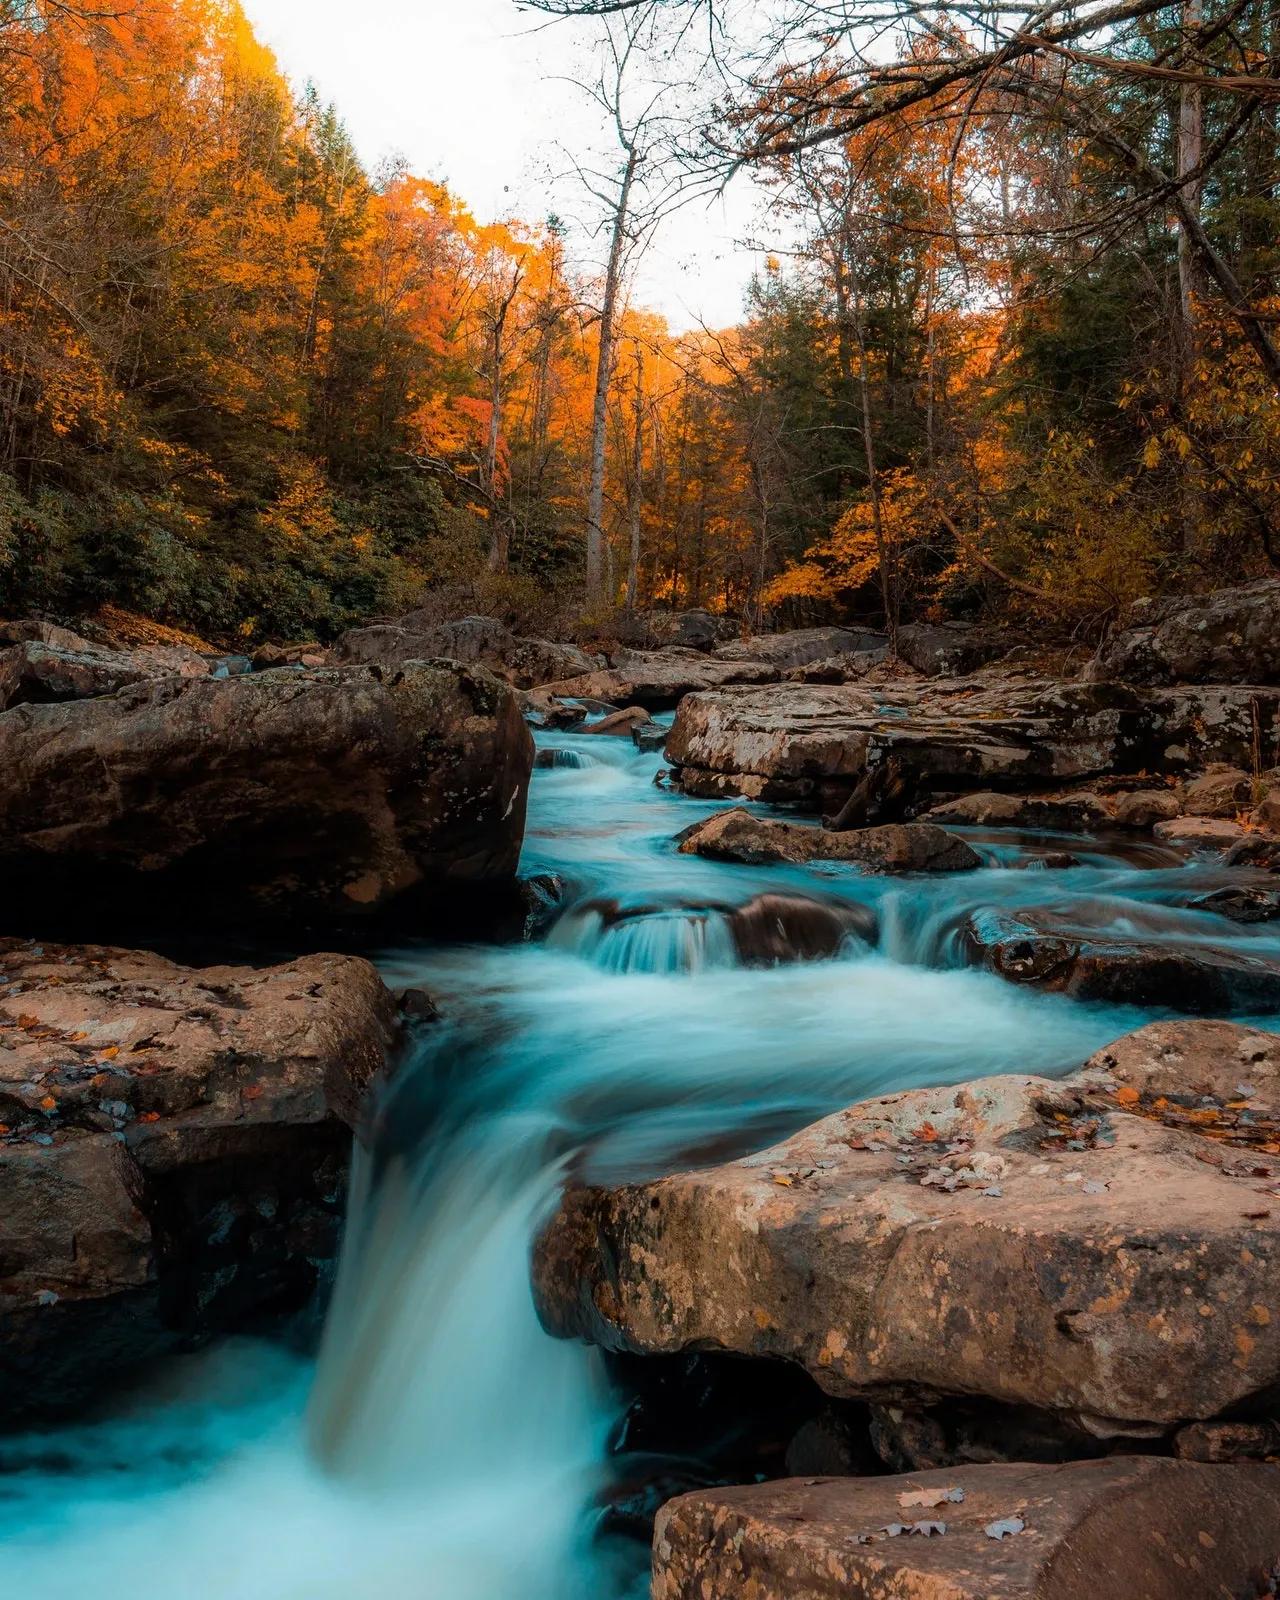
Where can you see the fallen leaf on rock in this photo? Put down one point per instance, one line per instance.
(1127, 1095)
(1005, 1528)
(781, 1179)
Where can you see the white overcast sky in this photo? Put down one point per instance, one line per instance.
(468, 91)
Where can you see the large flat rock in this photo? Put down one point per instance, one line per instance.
(998, 731)
(1226, 636)
(331, 793)
(800, 647)
(660, 679)
(172, 1148)
(1124, 1529)
(1097, 1249)
(476, 641)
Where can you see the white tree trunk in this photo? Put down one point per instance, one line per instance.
(604, 375)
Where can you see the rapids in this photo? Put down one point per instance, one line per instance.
(441, 1446)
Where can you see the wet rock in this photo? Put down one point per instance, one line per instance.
(1095, 1249)
(1240, 904)
(1114, 1530)
(1143, 808)
(417, 1005)
(649, 736)
(1002, 731)
(777, 928)
(1210, 834)
(172, 1152)
(330, 793)
(949, 649)
(1075, 812)
(1221, 792)
(482, 641)
(661, 679)
(739, 835)
(802, 646)
(1227, 636)
(1261, 850)
(1032, 947)
(625, 723)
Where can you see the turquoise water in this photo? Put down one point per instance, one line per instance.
(442, 1447)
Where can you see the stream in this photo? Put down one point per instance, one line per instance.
(441, 1446)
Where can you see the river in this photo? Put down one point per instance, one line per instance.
(442, 1447)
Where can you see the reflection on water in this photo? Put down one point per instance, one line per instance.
(448, 1449)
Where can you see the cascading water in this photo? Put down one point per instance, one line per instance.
(444, 1448)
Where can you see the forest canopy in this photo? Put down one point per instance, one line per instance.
(1012, 349)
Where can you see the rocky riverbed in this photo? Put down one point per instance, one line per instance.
(918, 1177)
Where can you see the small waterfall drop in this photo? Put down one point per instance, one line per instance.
(680, 939)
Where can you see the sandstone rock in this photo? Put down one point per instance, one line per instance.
(1220, 792)
(1079, 1248)
(1032, 947)
(311, 654)
(1143, 808)
(1008, 731)
(1240, 903)
(693, 630)
(1227, 1441)
(840, 669)
(325, 793)
(1200, 833)
(482, 641)
(35, 673)
(948, 649)
(802, 646)
(1072, 812)
(1227, 636)
(28, 630)
(623, 723)
(1120, 1529)
(661, 679)
(171, 1154)
(1266, 814)
(739, 835)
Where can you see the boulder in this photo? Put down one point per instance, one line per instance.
(307, 654)
(482, 641)
(1094, 1249)
(690, 630)
(1240, 903)
(1031, 947)
(948, 649)
(739, 835)
(624, 723)
(1007, 731)
(1076, 811)
(1129, 1528)
(172, 1152)
(1143, 808)
(37, 673)
(802, 646)
(24, 630)
(1205, 834)
(1222, 791)
(1227, 636)
(659, 680)
(331, 793)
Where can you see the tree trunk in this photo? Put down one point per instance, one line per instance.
(604, 373)
(1190, 153)
(637, 485)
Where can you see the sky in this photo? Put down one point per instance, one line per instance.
(473, 92)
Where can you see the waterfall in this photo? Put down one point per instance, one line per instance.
(664, 941)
